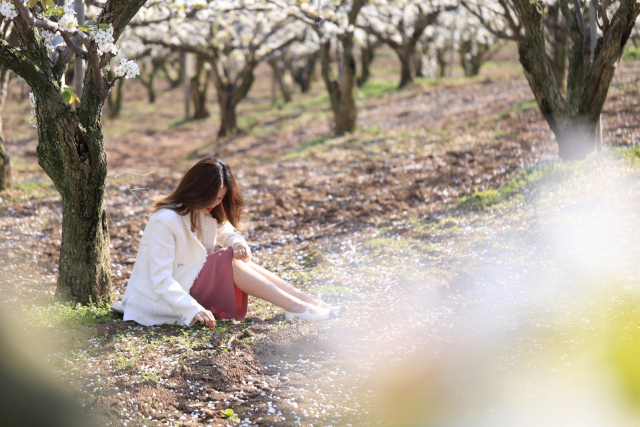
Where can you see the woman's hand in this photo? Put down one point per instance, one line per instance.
(206, 317)
(242, 252)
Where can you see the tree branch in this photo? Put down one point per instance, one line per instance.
(45, 24)
(13, 59)
(602, 10)
(487, 25)
(580, 18)
(73, 45)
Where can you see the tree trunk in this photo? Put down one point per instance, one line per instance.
(573, 121)
(173, 83)
(558, 39)
(442, 62)
(149, 82)
(71, 152)
(199, 86)
(341, 93)
(279, 79)
(418, 61)
(114, 101)
(472, 61)
(366, 58)
(405, 55)
(305, 74)
(228, 121)
(5, 164)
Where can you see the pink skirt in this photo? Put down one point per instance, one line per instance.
(214, 288)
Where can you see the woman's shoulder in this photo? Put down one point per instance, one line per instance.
(165, 215)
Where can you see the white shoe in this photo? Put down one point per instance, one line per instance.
(117, 307)
(336, 310)
(305, 315)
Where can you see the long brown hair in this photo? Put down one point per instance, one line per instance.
(199, 188)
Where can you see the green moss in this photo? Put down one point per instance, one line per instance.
(630, 154)
(376, 88)
(524, 105)
(66, 315)
(631, 52)
(528, 176)
(318, 140)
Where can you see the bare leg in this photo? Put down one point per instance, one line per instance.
(252, 283)
(291, 290)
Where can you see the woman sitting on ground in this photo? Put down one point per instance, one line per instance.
(178, 277)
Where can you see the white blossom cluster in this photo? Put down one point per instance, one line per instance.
(128, 69)
(104, 39)
(32, 103)
(8, 10)
(236, 32)
(68, 21)
(48, 37)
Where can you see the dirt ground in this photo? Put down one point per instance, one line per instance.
(322, 211)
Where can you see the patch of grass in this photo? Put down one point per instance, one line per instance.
(67, 315)
(524, 105)
(630, 154)
(250, 340)
(631, 52)
(491, 196)
(398, 246)
(318, 140)
(376, 88)
(38, 188)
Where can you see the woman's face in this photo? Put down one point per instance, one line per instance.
(221, 193)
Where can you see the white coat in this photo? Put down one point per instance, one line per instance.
(169, 260)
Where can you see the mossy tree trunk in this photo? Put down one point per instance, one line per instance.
(71, 152)
(557, 36)
(5, 163)
(573, 120)
(5, 75)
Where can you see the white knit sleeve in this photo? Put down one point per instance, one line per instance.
(162, 254)
(227, 236)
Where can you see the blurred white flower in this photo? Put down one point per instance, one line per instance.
(8, 10)
(128, 69)
(68, 21)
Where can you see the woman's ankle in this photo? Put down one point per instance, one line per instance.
(321, 304)
(297, 307)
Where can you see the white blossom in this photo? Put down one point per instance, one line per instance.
(8, 10)
(48, 37)
(128, 69)
(68, 21)
(104, 39)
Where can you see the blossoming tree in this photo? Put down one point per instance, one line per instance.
(335, 21)
(70, 145)
(573, 119)
(234, 38)
(400, 24)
